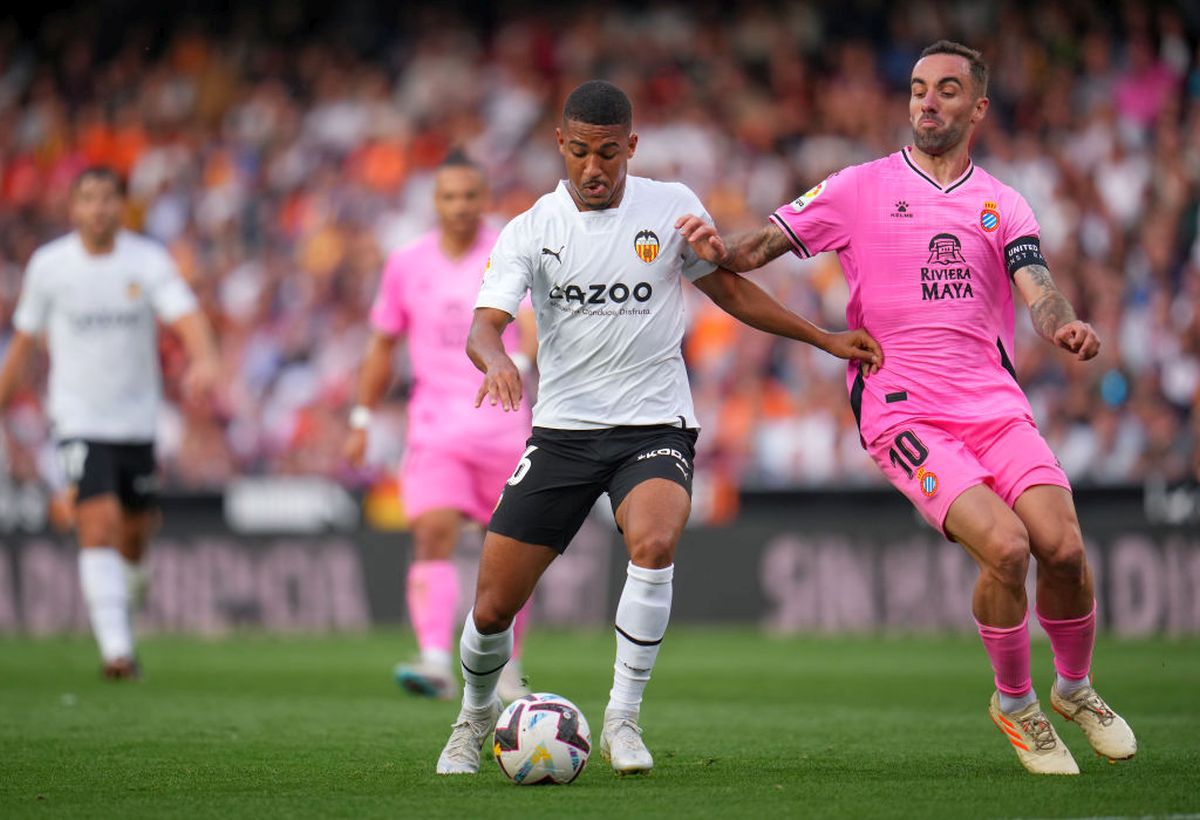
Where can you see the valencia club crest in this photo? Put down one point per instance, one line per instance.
(645, 244)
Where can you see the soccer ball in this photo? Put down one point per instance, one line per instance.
(542, 739)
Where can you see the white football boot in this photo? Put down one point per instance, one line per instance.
(468, 734)
(621, 744)
(427, 680)
(1107, 731)
(1037, 745)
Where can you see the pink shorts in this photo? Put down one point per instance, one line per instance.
(432, 478)
(932, 463)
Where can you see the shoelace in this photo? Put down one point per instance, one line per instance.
(464, 742)
(1096, 705)
(621, 736)
(1038, 728)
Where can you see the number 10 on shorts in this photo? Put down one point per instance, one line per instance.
(907, 452)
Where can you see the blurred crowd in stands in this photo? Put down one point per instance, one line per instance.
(281, 151)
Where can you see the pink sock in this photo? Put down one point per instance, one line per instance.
(1008, 649)
(432, 601)
(520, 624)
(1072, 640)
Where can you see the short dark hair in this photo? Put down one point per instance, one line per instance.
(599, 102)
(458, 158)
(103, 172)
(979, 69)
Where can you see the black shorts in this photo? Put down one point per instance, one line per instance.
(563, 472)
(125, 469)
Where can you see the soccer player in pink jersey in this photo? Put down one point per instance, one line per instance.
(456, 457)
(929, 244)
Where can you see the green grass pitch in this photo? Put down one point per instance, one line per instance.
(741, 725)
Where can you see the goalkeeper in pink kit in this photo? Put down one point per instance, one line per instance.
(456, 457)
(931, 247)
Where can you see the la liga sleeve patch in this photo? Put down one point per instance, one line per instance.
(808, 196)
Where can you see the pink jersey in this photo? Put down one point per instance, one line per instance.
(430, 299)
(928, 269)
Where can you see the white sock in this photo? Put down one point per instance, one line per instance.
(1010, 703)
(483, 658)
(102, 576)
(1067, 686)
(439, 658)
(642, 616)
(137, 579)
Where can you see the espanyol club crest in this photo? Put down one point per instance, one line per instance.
(645, 244)
(929, 481)
(989, 217)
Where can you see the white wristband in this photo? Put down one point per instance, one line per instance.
(360, 417)
(523, 363)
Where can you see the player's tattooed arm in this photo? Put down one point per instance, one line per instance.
(754, 249)
(1053, 316)
(746, 251)
(1048, 307)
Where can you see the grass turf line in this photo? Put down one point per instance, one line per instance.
(741, 725)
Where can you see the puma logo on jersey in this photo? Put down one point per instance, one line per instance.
(556, 254)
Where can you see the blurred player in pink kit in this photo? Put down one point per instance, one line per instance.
(457, 457)
(929, 244)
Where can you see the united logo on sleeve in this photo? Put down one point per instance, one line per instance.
(645, 244)
(989, 217)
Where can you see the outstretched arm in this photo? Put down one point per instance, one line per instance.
(747, 302)
(203, 371)
(20, 348)
(501, 380)
(746, 251)
(373, 380)
(1053, 317)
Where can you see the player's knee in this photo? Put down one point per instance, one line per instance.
(491, 616)
(434, 538)
(98, 525)
(1009, 557)
(653, 550)
(1067, 558)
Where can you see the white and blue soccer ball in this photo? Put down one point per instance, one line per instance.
(542, 739)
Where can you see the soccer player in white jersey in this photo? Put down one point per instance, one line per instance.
(614, 414)
(96, 294)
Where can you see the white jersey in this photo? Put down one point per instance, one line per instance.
(98, 313)
(607, 290)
